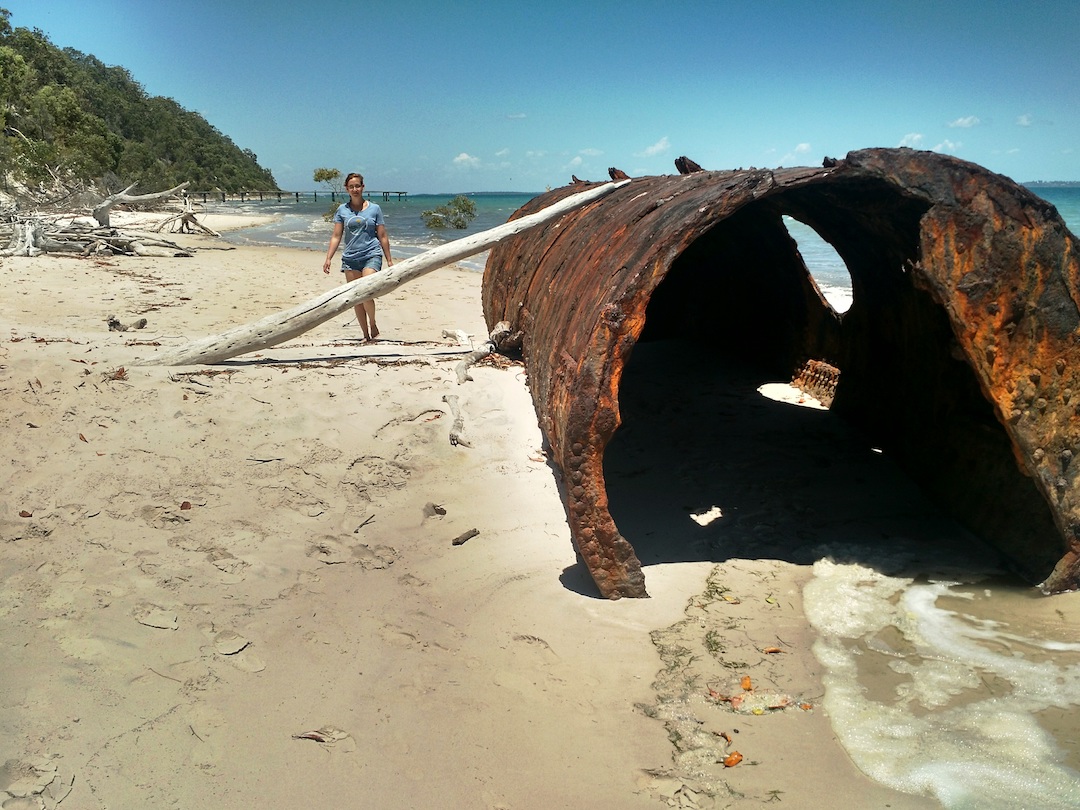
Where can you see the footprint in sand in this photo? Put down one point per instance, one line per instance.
(530, 665)
(234, 648)
(330, 550)
(370, 476)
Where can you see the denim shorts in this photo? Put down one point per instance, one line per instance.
(359, 265)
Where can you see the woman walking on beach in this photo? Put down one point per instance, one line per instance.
(366, 243)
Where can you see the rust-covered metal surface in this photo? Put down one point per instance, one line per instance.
(965, 297)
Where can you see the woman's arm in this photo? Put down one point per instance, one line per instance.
(384, 243)
(335, 240)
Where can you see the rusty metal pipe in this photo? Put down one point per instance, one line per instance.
(966, 289)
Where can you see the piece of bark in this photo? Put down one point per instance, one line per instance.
(461, 539)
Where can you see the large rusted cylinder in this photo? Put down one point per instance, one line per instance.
(966, 290)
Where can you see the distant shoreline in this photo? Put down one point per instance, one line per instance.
(1052, 183)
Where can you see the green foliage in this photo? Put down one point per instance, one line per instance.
(66, 115)
(457, 213)
(328, 177)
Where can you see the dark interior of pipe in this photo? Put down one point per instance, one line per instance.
(742, 292)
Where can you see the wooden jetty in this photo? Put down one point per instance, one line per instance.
(244, 196)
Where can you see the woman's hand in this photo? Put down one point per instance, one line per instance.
(326, 265)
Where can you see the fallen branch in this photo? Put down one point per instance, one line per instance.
(500, 336)
(464, 537)
(102, 210)
(283, 326)
(457, 429)
(186, 221)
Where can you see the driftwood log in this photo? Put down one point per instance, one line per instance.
(185, 221)
(282, 326)
(959, 357)
(102, 210)
(32, 237)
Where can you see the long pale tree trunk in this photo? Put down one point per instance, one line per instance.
(286, 325)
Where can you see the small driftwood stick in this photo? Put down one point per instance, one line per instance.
(462, 538)
(499, 336)
(457, 430)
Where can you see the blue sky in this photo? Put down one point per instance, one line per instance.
(448, 97)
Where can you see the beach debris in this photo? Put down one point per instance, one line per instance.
(747, 684)
(970, 272)
(433, 509)
(818, 379)
(458, 335)
(185, 221)
(32, 238)
(732, 759)
(116, 326)
(103, 209)
(457, 429)
(23, 513)
(461, 539)
(759, 702)
(501, 339)
(156, 616)
(327, 735)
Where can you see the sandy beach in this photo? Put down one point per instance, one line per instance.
(236, 586)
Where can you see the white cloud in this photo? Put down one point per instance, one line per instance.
(795, 156)
(657, 148)
(515, 116)
(535, 153)
(467, 160)
(967, 122)
(502, 153)
(1024, 120)
(912, 139)
(947, 146)
(591, 152)
(575, 162)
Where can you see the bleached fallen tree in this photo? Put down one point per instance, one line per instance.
(286, 325)
(102, 209)
(33, 237)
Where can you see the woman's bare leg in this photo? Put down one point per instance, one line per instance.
(369, 307)
(361, 308)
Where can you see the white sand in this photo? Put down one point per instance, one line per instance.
(212, 564)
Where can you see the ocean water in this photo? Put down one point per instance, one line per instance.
(963, 690)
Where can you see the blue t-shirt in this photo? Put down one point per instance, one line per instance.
(358, 238)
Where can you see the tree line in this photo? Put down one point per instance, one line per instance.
(68, 120)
